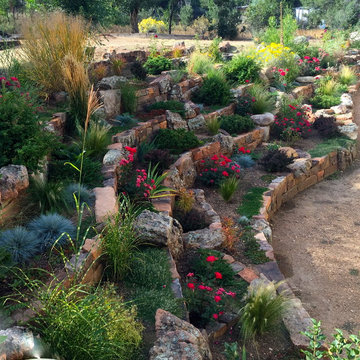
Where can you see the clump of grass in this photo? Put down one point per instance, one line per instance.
(330, 145)
(120, 243)
(263, 309)
(128, 98)
(252, 248)
(263, 101)
(252, 202)
(200, 64)
(347, 76)
(228, 188)
(213, 125)
(48, 39)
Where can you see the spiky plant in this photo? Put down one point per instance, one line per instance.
(21, 243)
(347, 76)
(263, 310)
(213, 125)
(245, 161)
(52, 230)
(228, 188)
(262, 100)
(81, 192)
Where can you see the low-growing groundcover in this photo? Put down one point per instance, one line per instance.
(330, 145)
(252, 202)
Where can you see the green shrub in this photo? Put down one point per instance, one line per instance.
(61, 172)
(150, 293)
(252, 202)
(242, 69)
(138, 70)
(236, 124)
(243, 105)
(82, 325)
(275, 160)
(172, 105)
(120, 243)
(200, 64)
(22, 138)
(159, 157)
(262, 100)
(154, 65)
(52, 230)
(245, 161)
(128, 98)
(325, 101)
(214, 90)
(176, 141)
(21, 244)
(263, 309)
(228, 188)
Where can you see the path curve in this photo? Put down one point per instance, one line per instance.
(316, 239)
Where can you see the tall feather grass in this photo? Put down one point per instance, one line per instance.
(347, 76)
(48, 39)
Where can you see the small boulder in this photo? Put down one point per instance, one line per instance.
(19, 343)
(113, 157)
(350, 131)
(289, 152)
(263, 119)
(301, 40)
(197, 122)
(306, 79)
(300, 167)
(226, 143)
(191, 110)
(163, 82)
(13, 178)
(111, 83)
(178, 340)
(160, 229)
(205, 238)
(346, 100)
(354, 36)
(175, 121)
(340, 109)
(112, 102)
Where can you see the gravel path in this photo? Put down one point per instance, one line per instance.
(317, 244)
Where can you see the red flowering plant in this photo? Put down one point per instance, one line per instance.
(216, 169)
(141, 184)
(311, 66)
(292, 122)
(211, 289)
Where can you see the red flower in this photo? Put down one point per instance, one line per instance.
(242, 149)
(217, 298)
(307, 57)
(215, 316)
(221, 313)
(130, 150)
(190, 275)
(211, 258)
(155, 36)
(247, 81)
(191, 286)
(248, 151)
(218, 275)
(201, 287)
(225, 173)
(215, 158)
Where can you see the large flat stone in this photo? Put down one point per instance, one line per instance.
(105, 203)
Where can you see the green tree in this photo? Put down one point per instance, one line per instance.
(186, 16)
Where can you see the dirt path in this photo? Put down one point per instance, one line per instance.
(317, 243)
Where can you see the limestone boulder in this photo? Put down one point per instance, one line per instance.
(191, 110)
(207, 238)
(160, 229)
(350, 131)
(19, 343)
(163, 82)
(175, 121)
(300, 167)
(112, 102)
(346, 100)
(111, 83)
(340, 109)
(178, 340)
(306, 79)
(197, 122)
(263, 119)
(13, 178)
(226, 143)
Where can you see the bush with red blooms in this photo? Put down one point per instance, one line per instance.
(216, 169)
(292, 122)
(311, 66)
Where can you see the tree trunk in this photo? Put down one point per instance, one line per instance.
(134, 20)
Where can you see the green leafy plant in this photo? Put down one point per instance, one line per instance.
(154, 65)
(213, 125)
(214, 90)
(276, 160)
(213, 50)
(252, 202)
(172, 105)
(252, 248)
(340, 348)
(228, 188)
(143, 149)
(325, 101)
(262, 100)
(52, 230)
(20, 243)
(120, 243)
(176, 141)
(200, 64)
(231, 351)
(236, 124)
(23, 140)
(242, 69)
(263, 309)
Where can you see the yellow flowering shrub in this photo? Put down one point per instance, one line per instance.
(268, 54)
(151, 25)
